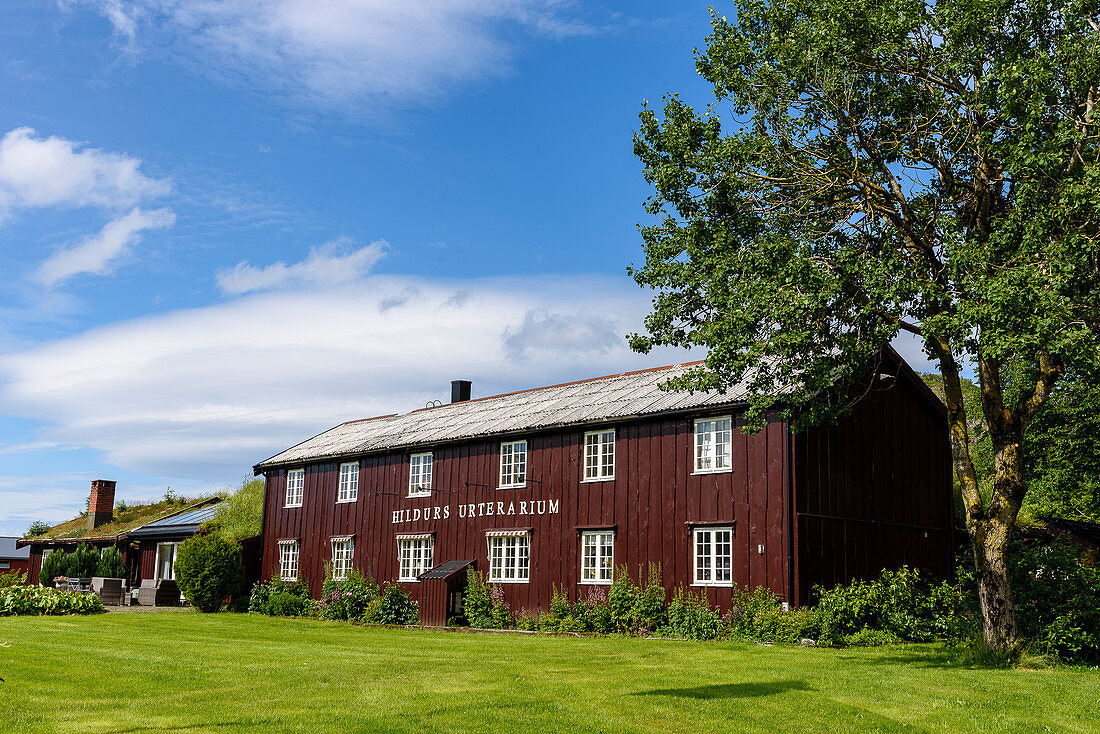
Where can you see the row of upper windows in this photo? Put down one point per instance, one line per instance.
(509, 554)
(713, 448)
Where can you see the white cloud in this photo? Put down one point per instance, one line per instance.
(43, 172)
(97, 254)
(378, 53)
(330, 263)
(205, 393)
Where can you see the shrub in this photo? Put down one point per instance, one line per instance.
(500, 617)
(283, 604)
(82, 562)
(13, 578)
(262, 593)
(347, 598)
(597, 612)
(691, 616)
(36, 529)
(208, 569)
(649, 612)
(34, 600)
(53, 566)
(110, 564)
(620, 601)
(394, 607)
(477, 601)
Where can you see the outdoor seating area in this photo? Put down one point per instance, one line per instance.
(158, 593)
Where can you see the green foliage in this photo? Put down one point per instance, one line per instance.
(110, 564)
(649, 611)
(36, 529)
(208, 569)
(82, 562)
(691, 616)
(53, 565)
(899, 602)
(1057, 594)
(238, 516)
(620, 601)
(34, 600)
(12, 578)
(260, 600)
(347, 598)
(394, 607)
(477, 601)
(287, 605)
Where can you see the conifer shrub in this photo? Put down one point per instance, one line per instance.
(53, 566)
(110, 564)
(209, 569)
(82, 562)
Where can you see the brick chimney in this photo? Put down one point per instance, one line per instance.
(101, 503)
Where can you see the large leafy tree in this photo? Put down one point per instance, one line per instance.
(879, 166)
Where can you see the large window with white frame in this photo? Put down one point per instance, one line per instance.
(599, 455)
(509, 556)
(713, 444)
(420, 475)
(288, 560)
(713, 556)
(348, 490)
(513, 464)
(166, 561)
(343, 551)
(414, 555)
(295, 484)
(597, 556)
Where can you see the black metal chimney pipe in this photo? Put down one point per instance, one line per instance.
(460, 390)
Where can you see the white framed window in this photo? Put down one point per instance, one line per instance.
(166, 561)
(414, 555)
(343, 550)
(513, 464)
(509, 556)
(295, 484)
(713, 556)
(5, 565)
(288, 560)
(597, 556)
(599, 455)
(713, 444)
(420, 475)
(348, 490)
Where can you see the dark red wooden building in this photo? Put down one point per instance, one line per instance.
(562, 486)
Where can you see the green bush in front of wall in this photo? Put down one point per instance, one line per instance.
(82, 562)
(110, 564)
(208, 570)
(394, 607)
(53, 566)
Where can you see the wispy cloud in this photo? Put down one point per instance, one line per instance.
(38, 172)
(371, 54)
(336, 261)
(205, 393)
(98, 253)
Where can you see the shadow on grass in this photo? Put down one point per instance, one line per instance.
(941, 658)
(731, 690)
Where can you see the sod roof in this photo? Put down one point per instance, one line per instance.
(134, 516)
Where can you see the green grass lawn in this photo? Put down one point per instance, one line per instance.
(229, 672)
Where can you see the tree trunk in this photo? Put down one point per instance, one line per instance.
(991, 534)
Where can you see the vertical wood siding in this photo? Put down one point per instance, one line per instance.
(653, 502)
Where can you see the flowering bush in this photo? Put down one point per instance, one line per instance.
(394, 607)
(485, 606)
(34, 600)
(263, 594)
(347, 598)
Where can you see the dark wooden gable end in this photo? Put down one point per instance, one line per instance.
(652, 505)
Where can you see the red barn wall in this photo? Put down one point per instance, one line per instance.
(874, 491)
(652, 504)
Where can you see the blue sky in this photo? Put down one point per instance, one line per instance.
(229, 225)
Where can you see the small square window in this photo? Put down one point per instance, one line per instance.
(513, 464)
(599, 455)
(713, 557)
(288, 560)
(509, 557)
(343, 550)
(420, 475)
(295, 483)
(597, 556)
(349, 482)
(414, 556)
(713, 442)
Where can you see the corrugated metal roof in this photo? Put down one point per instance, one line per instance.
(9, 552)
(589, 401)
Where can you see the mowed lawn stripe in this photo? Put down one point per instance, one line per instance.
(205, 673)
